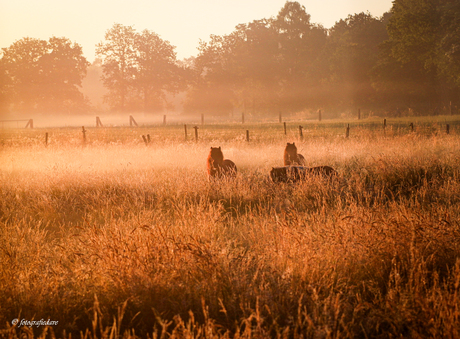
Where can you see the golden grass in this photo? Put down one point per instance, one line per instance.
(119, 239)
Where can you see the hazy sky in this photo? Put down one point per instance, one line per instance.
(181, 22)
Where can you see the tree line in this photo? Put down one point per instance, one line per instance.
(406, 60)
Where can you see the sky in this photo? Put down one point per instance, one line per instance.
(181, 22)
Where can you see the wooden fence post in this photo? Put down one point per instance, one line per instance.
(46, 139)
(84, 134)
(384, 125)
(196, 133)
(348, 131)
(447, 129)
(247, 135)
(145, 140)
(411, 125)
(300, 132)
(132, 121)
(185, 128)
(148, 138)
(284, 123)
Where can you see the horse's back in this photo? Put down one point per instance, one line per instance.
(296, 173)
(228, 167)
(301, 160)
(324, 170)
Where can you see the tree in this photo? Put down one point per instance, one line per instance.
(138, 68)
(43, 75)
(300, 56)
(262, 66)
(420, 65)
(211, 86)
(119, 59)
(62, 69)
(255, 66)
(5, 83)
(352, 52)
(448, 57)
(157, 71)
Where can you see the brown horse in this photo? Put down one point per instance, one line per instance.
(219, 167)
(291, 157)
(297, 173)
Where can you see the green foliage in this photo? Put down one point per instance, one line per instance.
(449, 47)
(419, 61)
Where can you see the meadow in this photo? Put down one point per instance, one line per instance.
(118, 239)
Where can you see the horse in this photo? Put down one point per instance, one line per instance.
(217, 166)
(291, 157)
(297, 173)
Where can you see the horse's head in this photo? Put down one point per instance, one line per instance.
(216, 155)
(291, 151)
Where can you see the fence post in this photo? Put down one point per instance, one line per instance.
(145, 140)
(185, 128)
(284, 123)
(384, 125)
(46, 139)
(348, 131)
(132, 121)
(202, 119)
(247, 135)
(300, 132)
(84, 134)
(447, 129)
(148, 138)
(411, 125)
(196, 133)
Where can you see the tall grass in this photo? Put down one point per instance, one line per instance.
(118, 239)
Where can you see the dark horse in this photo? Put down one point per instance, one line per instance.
(219, 167)
(297, 173)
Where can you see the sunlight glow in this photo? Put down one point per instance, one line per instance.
(183, 23)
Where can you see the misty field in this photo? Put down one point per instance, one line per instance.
(115, 238)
